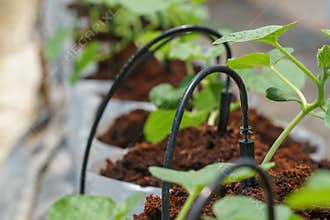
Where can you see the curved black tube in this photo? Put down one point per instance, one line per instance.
(245, 130)
(196, 209)
(125, 71)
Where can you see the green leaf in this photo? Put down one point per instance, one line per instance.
(55, 43)
(159, 123)
(166, 96)
(248, 61)
(267, 34)
(130, 203)
(327, 115)
(194, 180)
(185, 50)
(246, 208)
(208, 99)
(85, 207)
(315, 193)
(278, 95)
(323, 57)
(260, 82)
(88, 55)
(276, 55)
(326, 32)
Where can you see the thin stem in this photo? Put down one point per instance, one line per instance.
(291, 85)
(284, 135)
(213, 118)
(297, 62)
(185, 209)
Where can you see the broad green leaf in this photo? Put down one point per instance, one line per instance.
(315, 193)
(323, 57)
(87, 57)
(276, 55)
(327, 115)
(55, 43)
(267, 34)
(247, 208)
(248, 61)
(290, 71)
(196, 180)
(85, 207)
(159, 123)
(260, 82)
(130, 203)
(278, 95)
(185, 50)
(208, 99)
(165, 96)
(326, 32)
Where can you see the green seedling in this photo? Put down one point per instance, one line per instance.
(128, 23)
(194, 181)
(87, 207)
(282, 76)
(205, 105)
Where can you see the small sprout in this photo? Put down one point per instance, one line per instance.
(87, 207)
(242, 207)
(167, 98)
(315, 193)
(323, 57)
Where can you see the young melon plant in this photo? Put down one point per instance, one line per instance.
(282, 75)
(129, 23)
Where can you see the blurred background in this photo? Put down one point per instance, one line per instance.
(36, 98)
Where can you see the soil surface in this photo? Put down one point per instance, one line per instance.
(199, 146)
(144, 76)
(126, 130)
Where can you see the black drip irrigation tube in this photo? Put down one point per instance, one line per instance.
(246, 145)
(125, 71)
(205, 195)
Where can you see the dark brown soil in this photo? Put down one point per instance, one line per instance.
(199, 146)
(283, 183)
(143, 78)
(126, 130)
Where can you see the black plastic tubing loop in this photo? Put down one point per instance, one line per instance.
(125, 71)
(178, 118)
(204, 197)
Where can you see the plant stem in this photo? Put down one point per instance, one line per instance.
(283, 136)
(297, 62)
(213, 117)
(185, 209)
(293, 87)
